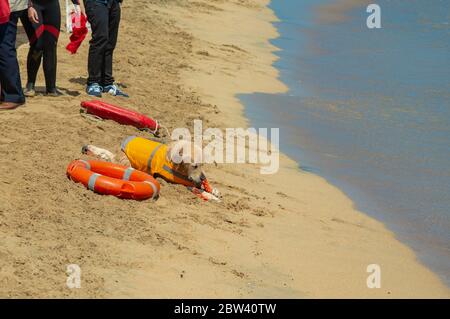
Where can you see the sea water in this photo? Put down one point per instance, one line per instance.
(369, 110)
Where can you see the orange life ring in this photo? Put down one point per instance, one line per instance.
(113, 179)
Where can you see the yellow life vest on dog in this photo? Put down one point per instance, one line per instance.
(149, 156)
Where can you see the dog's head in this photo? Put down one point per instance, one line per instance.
(187, 159)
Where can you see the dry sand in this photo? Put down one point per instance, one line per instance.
(289, 235)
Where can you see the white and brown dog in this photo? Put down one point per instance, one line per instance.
(179, 162)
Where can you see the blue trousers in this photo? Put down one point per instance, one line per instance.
(9, 67)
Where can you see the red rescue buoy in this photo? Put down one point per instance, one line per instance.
(120, 115)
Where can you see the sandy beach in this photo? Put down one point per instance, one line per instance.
(287, 235)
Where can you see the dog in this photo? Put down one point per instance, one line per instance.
(179, 162)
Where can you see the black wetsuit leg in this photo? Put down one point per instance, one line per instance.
(43, 37)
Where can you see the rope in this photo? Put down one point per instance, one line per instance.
(166, 130)
(156, 132)
(90, 117)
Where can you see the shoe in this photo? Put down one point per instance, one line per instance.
(29, 90)
(94, 90)
(9, 106)
(114, 90)
(54, 92)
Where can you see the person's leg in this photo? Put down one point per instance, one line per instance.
(113, 30)
(107, 76)
(52, 22)
(98, 16)
(11, 86)
(35, 33)
(34, 59)
(2, 30)
(2, 33)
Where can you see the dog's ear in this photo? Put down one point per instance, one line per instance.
(176, 152)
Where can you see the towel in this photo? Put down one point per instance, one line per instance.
(79, 32)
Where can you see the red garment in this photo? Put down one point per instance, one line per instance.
(79, 32)
(4, 11)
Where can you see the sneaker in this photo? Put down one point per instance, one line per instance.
(114, 90)
(94, 90)
(29, 90)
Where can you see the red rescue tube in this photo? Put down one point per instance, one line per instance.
(120, 115)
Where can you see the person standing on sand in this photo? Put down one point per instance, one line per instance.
(42, 27)
(11, 95)
(104, 17)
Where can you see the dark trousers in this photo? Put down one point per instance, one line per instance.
(104, 19)
(9, 67)
(2, 31)
(43, 38)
